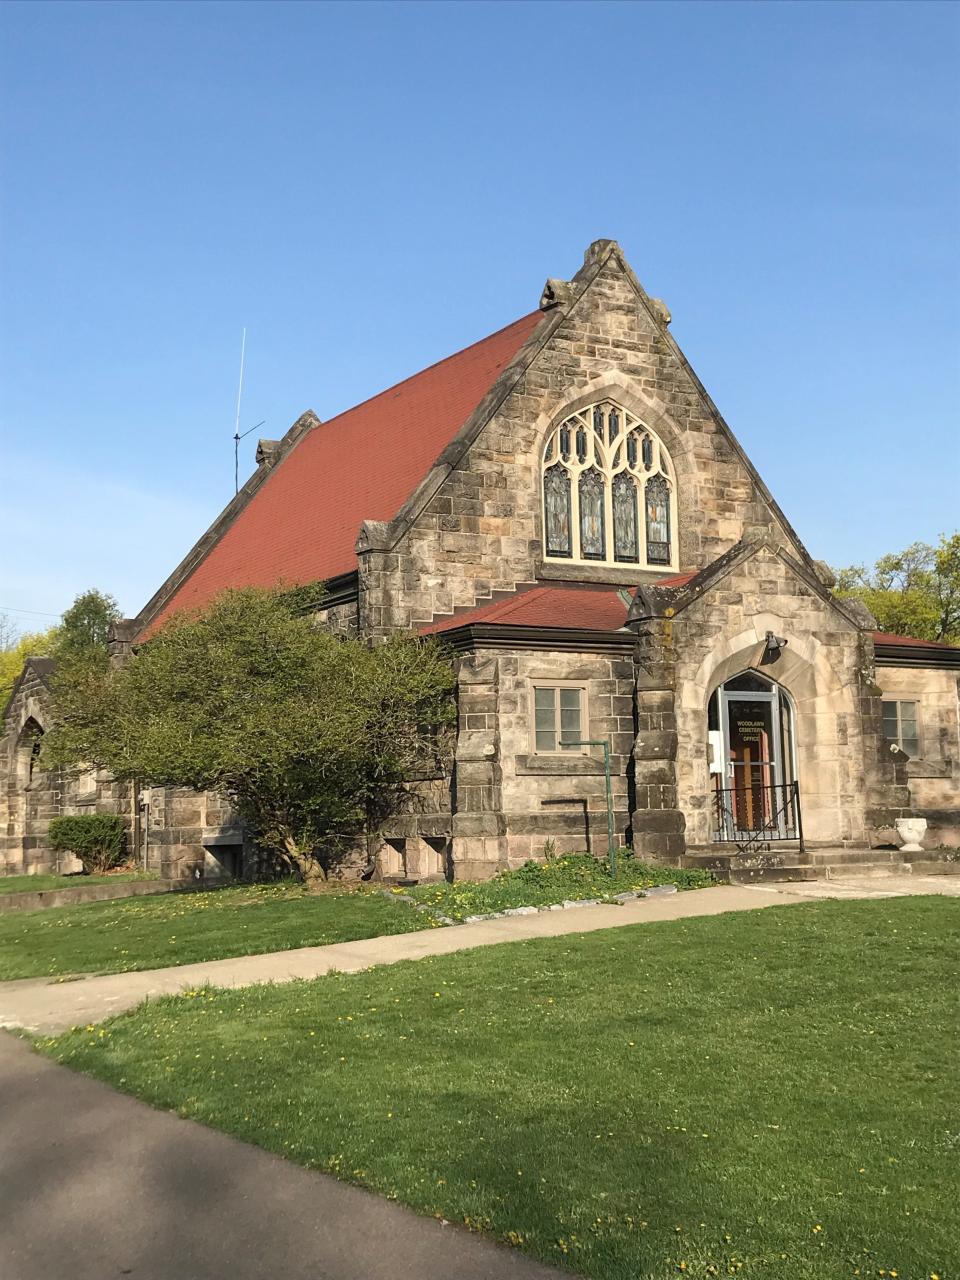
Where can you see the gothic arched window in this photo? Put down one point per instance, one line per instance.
(609, 494)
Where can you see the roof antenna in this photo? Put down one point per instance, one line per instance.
(237, 437)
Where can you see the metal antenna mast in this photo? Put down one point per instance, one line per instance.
(236, 430)
(237, 436)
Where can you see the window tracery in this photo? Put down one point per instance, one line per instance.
(608, 488)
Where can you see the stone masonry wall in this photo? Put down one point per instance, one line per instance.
(934, 776)
(341, 619)
(192, 835)
(509, 801)
(30, 797)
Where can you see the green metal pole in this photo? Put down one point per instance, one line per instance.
(611, 831)
(611, 835)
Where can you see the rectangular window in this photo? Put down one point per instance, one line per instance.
(557, 718)
(901, 725)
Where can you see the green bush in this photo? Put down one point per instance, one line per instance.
(97, 839)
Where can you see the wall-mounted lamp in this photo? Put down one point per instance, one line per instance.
(772, 647)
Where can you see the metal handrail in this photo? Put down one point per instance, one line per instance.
(778, 801)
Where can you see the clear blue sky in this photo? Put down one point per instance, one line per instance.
(369, 187)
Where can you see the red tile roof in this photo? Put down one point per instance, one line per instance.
(573, 606)
(679, 580)
(577, 606)
(301, 525)
(887, 637)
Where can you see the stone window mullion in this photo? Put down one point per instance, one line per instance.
(607, 440)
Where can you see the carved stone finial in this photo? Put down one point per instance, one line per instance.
(555, 294)
(267, 451)
(825, 573)
(858, 612)
(661, 311)
(120, 639)
(598, 250)
(373, 536)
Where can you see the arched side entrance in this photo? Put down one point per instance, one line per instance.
(822, 684)
(751, 733)
(27, 759)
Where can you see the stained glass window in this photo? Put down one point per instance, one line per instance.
(602, 468)
(647, 452)
(556, 503)
(625, 541)
(592, 533)
(658, 520)
(581, 445)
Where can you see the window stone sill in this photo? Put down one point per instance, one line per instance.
(607, 575)
(920, 768)
(555, 766)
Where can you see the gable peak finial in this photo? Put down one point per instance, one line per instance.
(555, 293)
(598, 251)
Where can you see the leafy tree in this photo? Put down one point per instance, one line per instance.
(14, 651)
(81, 637)
(915, 592)
(85, 627)
(79, 648)
(9, 632)
(314, 739)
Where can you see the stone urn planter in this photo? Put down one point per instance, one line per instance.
(910, 831)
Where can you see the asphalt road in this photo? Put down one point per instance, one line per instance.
(95, 1185)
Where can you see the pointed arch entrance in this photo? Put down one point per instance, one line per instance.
(751, 726)
(29, 742)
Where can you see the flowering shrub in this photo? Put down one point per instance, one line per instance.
(573, 877)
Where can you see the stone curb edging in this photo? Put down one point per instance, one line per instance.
(80, 895)
(655, 891)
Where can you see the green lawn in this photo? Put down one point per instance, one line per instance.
(179, 928)
(574, 877)
(769, 1094)
(31, 884)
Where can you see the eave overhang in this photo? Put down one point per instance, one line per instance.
(488, 635)
(916, 655)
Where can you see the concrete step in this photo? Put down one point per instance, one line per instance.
(852, 857)
(770, 875)
(872, 870)
(825, 862)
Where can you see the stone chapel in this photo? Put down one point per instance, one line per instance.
(563, 504)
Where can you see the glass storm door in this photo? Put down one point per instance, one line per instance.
(753, 755)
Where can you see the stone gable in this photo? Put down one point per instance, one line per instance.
(826, 668)
(480, 531)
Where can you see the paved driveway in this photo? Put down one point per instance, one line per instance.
(95, 1185)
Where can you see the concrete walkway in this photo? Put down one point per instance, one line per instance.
(95, 1185)
(48, 1006)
